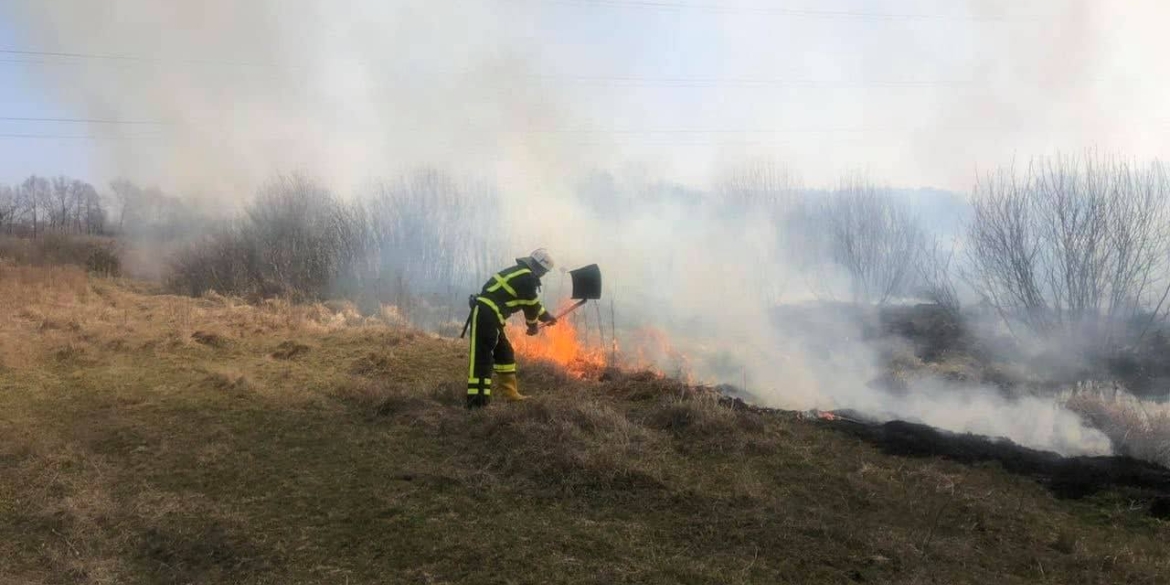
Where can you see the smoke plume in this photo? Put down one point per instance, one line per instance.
(605, 130)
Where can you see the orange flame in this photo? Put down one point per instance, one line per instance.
(654, 351)
(588, 354)
(560, 344)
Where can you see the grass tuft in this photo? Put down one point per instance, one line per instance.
(289, 350)
(210, 339)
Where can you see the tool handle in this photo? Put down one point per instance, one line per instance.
(574, 307)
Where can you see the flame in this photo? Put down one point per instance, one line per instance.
(654, 351)
(560, 344)
(588, 354)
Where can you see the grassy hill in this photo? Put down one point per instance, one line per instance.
(147, 438)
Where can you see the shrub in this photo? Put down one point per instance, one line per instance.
(98, 255)
(294, 241)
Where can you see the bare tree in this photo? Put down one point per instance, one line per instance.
(872, 237)
(128, 197)
(768, 195)
(62, 205)
(62, 196)
(433, 232)
(294, 225)
(936, 275)
(34, 194)
(295, 241)
(89, 214)
(8, 208)
(1076, 247)
(758, 186)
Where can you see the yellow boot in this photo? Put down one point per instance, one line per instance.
(507, 386)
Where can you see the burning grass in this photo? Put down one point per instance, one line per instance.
(561, 345)
(590, 357)
(154, 457)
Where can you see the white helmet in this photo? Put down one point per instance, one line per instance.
(539, 261)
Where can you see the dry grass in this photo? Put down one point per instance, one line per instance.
(133, 452)
(95, 254)
(1138, 428)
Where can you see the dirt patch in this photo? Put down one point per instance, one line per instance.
(703, 418)
(289, 350)
(210, 553)
(643, 385)
(371, 364)
(69, 353)
(563, 446)
(227, 381)
(210, 339)
(379, 399)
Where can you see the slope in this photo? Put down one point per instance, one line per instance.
(147, 438)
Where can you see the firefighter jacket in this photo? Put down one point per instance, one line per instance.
(511, 290)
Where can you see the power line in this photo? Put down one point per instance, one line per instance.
(749, 81)
(534, 131)
(620, 80)
(648, 136)
(723, 82)
(78, 136)
(775, 11)
(84, 121)
(131, 58)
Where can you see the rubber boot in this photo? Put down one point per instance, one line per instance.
(475, 401)
(508, 387)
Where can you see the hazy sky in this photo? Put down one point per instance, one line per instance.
(915, 93)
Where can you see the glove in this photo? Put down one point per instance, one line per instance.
(550, 321)
(533, 329)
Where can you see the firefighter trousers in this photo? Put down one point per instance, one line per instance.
(490, 352)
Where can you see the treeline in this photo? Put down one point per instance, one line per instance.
(416, 242)
(1072, 250)
(64, 205)
(59, 205)
(1064, 248)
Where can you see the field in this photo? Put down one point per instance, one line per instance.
(149, 438)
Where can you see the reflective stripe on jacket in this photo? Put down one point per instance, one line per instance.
(511, 290)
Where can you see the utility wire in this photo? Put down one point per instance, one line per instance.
(665, 5)
(751, 81)
(79, 136)
(705, 82)
(84, 121)
(644, 137)
(542, 131)
(134, 58)
(623, 80)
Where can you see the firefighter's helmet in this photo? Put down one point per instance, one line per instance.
(539, 261)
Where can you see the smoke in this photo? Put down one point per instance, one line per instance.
(603, 128)
(345, 93)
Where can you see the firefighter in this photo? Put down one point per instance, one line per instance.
(510, 290)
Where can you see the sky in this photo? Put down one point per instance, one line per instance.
(21, 97)
(911, 92)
